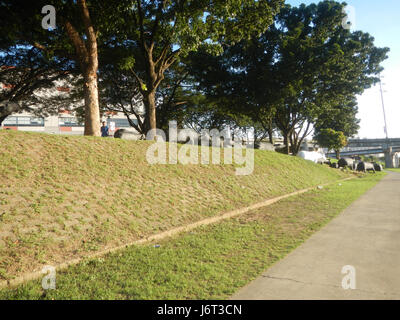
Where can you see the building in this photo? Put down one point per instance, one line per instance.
(63, 123)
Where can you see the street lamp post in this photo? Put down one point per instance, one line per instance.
(383, 107)
(389, 160)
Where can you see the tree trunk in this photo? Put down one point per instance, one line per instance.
(296, 144)
(92, 110)
(292, 143)
(286, 139)
(87, 56)
(151, 106)
(270, 135)
(337, 154)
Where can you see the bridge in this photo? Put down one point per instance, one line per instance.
(357, 147)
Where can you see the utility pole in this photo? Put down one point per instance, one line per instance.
(388, 150)
(383, 107)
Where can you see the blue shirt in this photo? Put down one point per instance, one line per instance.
(104, 131)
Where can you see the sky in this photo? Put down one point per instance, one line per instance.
(381, 19)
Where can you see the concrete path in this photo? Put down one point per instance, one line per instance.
(366, 236)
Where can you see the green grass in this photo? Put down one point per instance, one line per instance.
(209, 263)
(394, 170)
(64, 197)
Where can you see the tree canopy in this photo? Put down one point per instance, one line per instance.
(332, 140)
(241, 63)
(303, 71)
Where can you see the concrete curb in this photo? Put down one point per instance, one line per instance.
(37, 274)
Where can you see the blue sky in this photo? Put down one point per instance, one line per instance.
(382, 20)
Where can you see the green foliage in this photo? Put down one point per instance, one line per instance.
(341, 117)
(258, 64)
(191, 24)
(331, 139)
(161, 33)
(32, 79)
(42, 56)
(305, 70)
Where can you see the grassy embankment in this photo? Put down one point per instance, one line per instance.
(211, 262)
(66, 197)
(394, 170)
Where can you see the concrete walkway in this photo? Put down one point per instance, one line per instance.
(366, 236)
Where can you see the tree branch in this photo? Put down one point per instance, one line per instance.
(80, 48)
(141, 28)
(91, 44)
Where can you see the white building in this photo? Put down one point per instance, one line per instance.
(65, 122)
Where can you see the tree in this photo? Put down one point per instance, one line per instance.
(162, 31)
(332, 140)
(120, 90)
(320, 66)
(341, 117)
(87, 56)
(302, 68)
(83, 24)
(30, 80)
(229, 92)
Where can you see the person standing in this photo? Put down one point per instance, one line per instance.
(104, 130)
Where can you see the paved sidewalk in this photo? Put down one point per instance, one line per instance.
(366, 236)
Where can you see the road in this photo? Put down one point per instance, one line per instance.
(366, 236)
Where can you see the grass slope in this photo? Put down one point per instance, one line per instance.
(62, 197)
(211, 262)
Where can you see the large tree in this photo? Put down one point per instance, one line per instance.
(162, 31)
(120, 90)
(320, 65)
(225, 98)
(86, 52)
(301, 69)
(80, 26)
